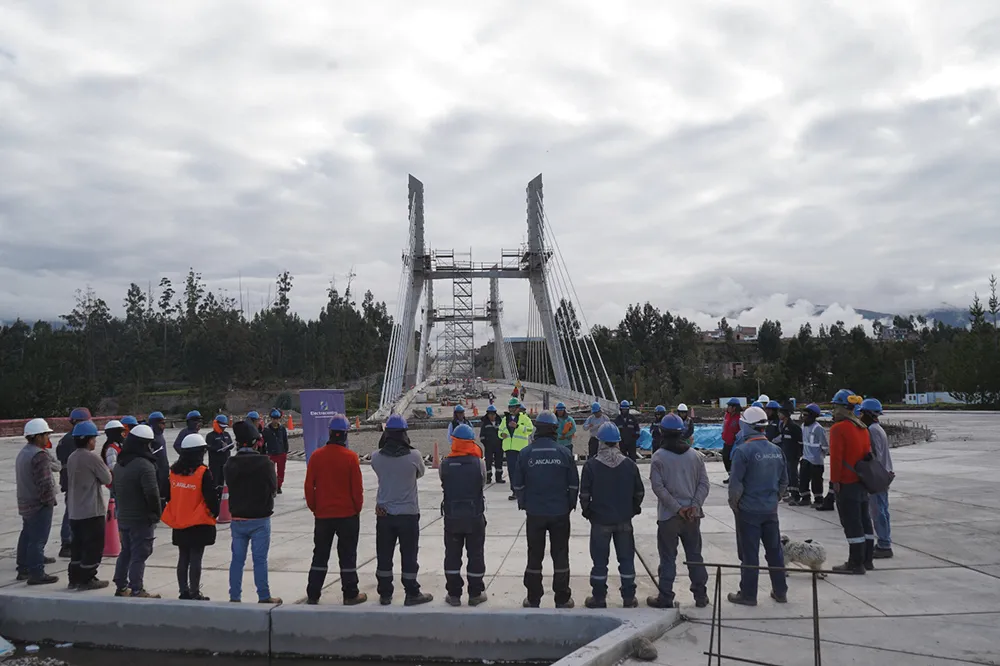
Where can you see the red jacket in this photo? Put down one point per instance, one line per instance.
(333, 482)
(730, 428)
(849, 443)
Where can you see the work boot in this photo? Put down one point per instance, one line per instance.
(123, 592)
(869, 554)
(385, 601)
(22, 576)
(630, 602)
(528, 603)
(500, 478)
(829, 503)
(478, 599)
(805, 500)
(358, 598)
(43, 579)
(781, 600)
(701, 602)
(143, 594)
(185, 596)
(71, 587)
(793, 498)
(655, 601)
(198, 596)
(49, 560)
(567, 604)
(848, 567)
(725, 481)
(594, 602)
(512, 497)
(93, 584)
(882, 553)
(418, 599)
(65, 551)
(453, 601)
(489, 477)
(279, 491)
(738, 599)
(855, 560)
(270, 600)
(312, 602)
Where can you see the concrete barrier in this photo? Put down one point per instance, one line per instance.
(137, 623)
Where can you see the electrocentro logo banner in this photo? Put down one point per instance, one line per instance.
(318, 407)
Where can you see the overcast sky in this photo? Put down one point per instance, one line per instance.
(706, 156)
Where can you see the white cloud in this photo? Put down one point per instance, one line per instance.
(713, 157)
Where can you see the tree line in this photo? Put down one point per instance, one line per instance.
(194, 339)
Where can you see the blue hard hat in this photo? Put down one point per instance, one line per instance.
(459, 408)
(609, 433)
(155, 416)
(843, 397)
(660, 409)
(624, 404)
(491, 408)
(871, 405)
(253, 415)
(339, 423)
(595, 407)
(757, 403)
(672, 423)
(773, 404)
(733, 402)
(193, 414)
(857, 410)
(129, 421)
(85, 429)
(464, 431)
(275, 413)
(813, 408)
(547, 418)
(222, 419)
(395, 422)
(79, 414)
(561, 406)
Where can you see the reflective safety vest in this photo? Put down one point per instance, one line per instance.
(517, 440)
(187, 507)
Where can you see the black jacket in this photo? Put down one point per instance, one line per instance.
(489, 433)
(219, 447)
(629, 427)
(162, 461)
(790, 438)
(252, 483)
(275, 440)
(611, 495)
(135, 483)
(657, 434)
(64, 449)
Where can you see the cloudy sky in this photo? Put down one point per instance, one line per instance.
(707, 156)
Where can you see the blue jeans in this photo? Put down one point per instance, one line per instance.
(754, 528)
(31, 544)
(137, 546)
(879, 506)
(256, 535)
(601, 537)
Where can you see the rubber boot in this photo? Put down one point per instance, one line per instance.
(855, 560)
(869, 554)
(829, 503)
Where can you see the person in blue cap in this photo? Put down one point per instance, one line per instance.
(567, 427)
(158, 423)
(192, 426)
(789, 440)
(593, 423)
(457, 419)
(276, 444)
(871, 409)
(463, 474)
(64, 449)
(220, 447)
(611, 494)
(87, 476)
(815, 446)
(629, 427)
(654, 427)
(489, 437)
(254, 420)
(546, 484)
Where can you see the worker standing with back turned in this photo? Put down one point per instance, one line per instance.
(463, 474)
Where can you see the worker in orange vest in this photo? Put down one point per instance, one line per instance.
(192, 507)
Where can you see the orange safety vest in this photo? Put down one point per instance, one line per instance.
(187, 507)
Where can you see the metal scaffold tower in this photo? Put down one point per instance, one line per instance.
(559, 350)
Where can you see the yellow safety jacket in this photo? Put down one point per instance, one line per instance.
(520, 437)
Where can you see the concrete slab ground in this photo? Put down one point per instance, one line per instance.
(936, 602)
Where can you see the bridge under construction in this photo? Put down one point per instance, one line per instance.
(559, 355)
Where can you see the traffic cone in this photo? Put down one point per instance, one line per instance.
(224, 515)
(436, 464)
(112, 542)
(357, 423)
(475, 410)
(291, 423)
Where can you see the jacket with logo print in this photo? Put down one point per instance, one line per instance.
(759, 475)
(545, 479)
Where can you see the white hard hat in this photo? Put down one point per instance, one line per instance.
(763, 399)
(193, 441)
(682, 407)
(113, 425)
(36, 427)
(142, 431)
(754, 416)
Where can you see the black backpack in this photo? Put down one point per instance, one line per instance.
(872, 474)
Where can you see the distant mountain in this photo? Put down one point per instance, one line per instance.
(949, 316)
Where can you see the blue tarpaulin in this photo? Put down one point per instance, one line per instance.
(706, 436)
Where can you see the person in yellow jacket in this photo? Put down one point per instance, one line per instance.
(515, 433)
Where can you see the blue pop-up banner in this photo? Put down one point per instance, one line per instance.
(318, 407)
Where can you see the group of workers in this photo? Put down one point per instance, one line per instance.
(544, 478)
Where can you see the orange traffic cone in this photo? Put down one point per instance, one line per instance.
(475, 410)
(357, 422)
(224, 515)
(112, 542)
(291, 423)
(436, 464)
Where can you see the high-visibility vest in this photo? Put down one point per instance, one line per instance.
(187, 507)
(517, 440)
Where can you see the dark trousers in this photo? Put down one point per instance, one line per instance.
(856, 519)
(512, 457)
(494, 459)
(87, 548)
(137, 546)
(792, 451)
(754, 529)
(65, 531)
(727, 457)
(217, 466)
(347, 531)
(592, 446)
(668, 532)
(601, 537)
(557, 529)
(388, 530)
(469, 535)
(279, 465)
(31, 543)
(189, 569)
(628, 449)
(810, 475)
